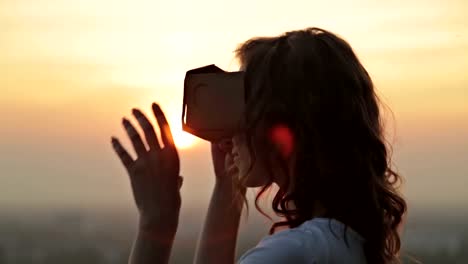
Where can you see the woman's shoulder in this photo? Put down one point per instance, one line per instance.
(329, 230)
(304, 244)
(312, 242)
(332, 241)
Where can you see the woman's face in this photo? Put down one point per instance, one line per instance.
(256, 177)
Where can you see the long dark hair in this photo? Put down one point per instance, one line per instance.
(312, 82)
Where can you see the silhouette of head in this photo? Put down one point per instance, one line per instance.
(313, 126)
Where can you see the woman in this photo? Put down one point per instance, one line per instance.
(312, 126)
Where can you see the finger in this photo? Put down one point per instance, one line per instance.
(166, 134)
(180, 181)
(225, 145)
(228, 160)
(137, 143)
(148, 129)
(215, 150)
(232, 170)
(125, 158)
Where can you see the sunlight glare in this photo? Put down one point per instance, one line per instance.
(182, 139)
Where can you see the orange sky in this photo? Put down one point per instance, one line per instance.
(69, 70)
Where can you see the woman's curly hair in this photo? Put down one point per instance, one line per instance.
(312, 82)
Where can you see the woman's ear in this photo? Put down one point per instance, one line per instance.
(283, 139)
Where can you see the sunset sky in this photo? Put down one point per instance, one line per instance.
(70, 70)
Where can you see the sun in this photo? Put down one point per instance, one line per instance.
(182, 139)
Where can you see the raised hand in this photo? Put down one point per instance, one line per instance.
(223, 164)
(154, 173)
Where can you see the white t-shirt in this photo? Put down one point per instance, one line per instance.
(317, 241)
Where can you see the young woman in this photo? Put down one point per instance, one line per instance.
(313, 128)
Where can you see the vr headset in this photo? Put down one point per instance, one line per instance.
(213, 102)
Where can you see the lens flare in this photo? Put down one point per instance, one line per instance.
(283, 138)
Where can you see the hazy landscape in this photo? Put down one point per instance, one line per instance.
(105, 238)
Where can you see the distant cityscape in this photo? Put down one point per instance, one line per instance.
(77, 237)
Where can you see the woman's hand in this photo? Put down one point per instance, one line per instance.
(223, 163)
(154, 173)
(223, 217)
